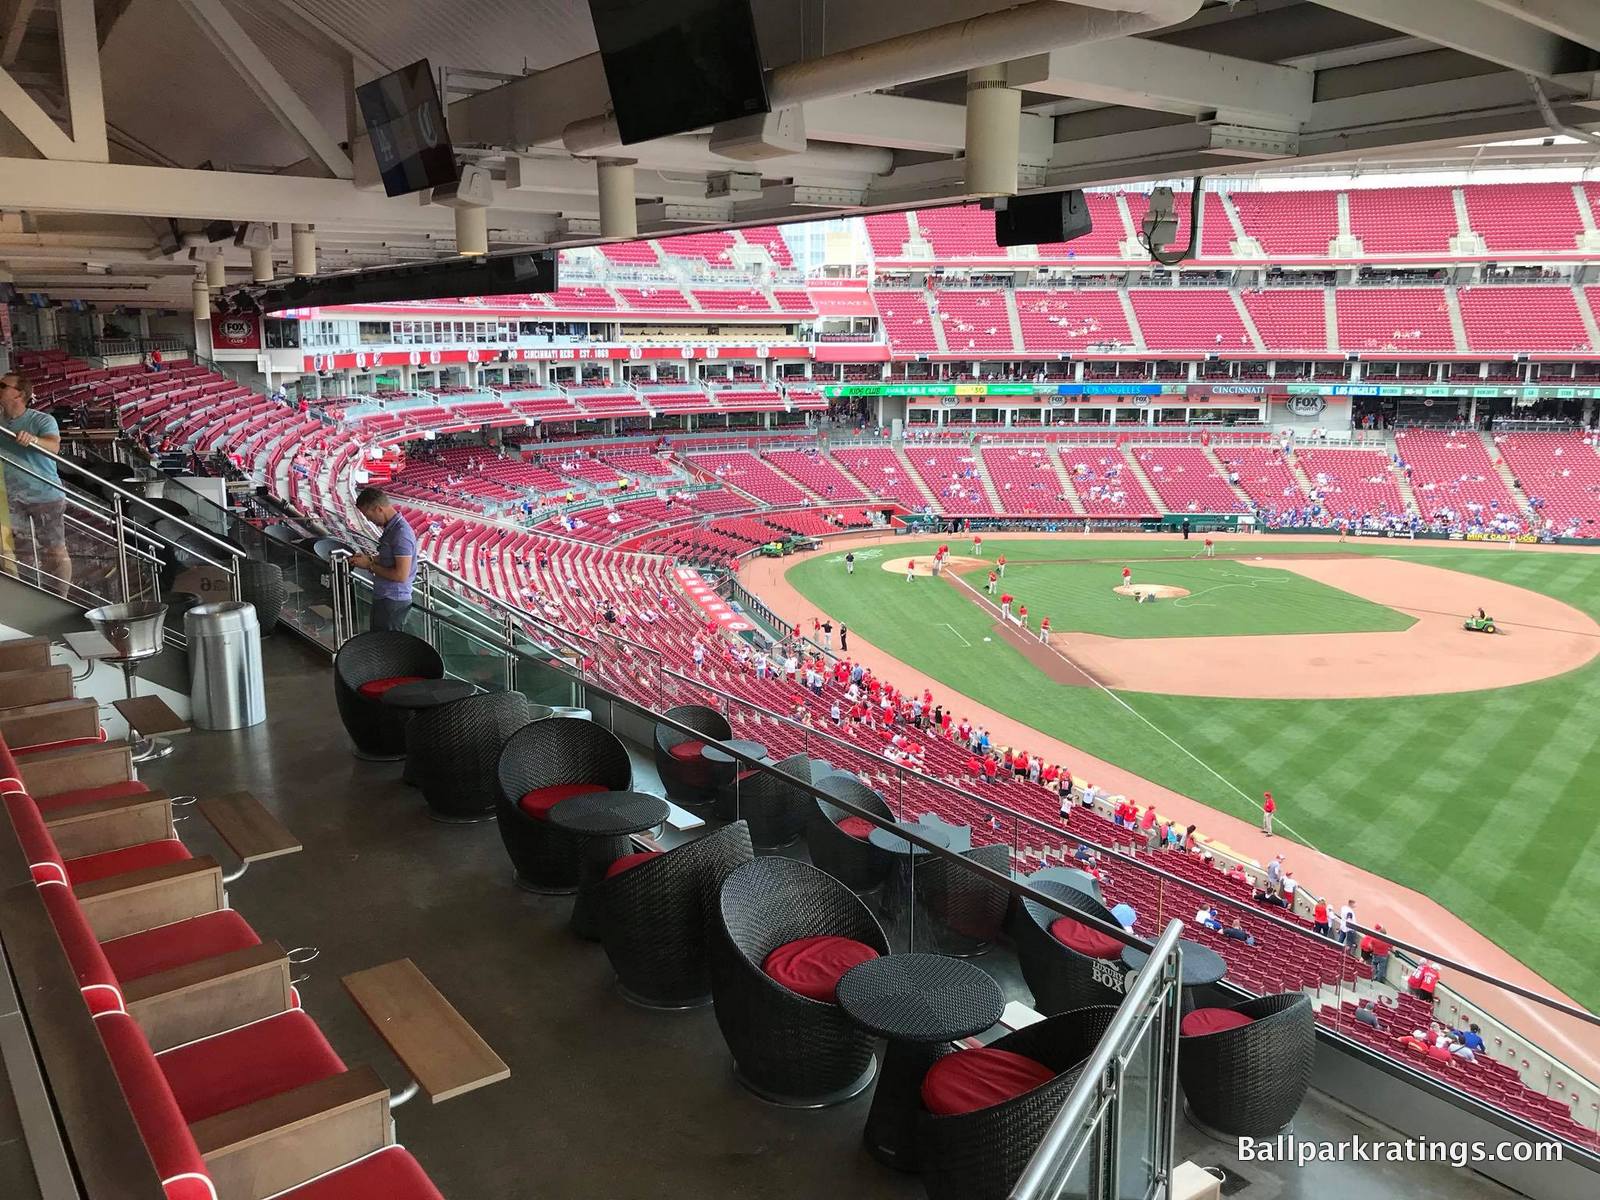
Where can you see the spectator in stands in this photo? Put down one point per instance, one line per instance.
(1422, 981)
(1468, 1040)
(394, 565)
(1379, 950)
(1275, 873)
(1238, 933)
(1347, 919)
(37, 503)
(1319, 917)
(1206, 915)
(1367, 1015)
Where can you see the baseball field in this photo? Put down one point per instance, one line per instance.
(1338, 676)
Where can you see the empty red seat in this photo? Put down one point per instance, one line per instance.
(538, 803)
(130, 858)
(1075, 935)
(813, 966)
(374, 688)
(629, 861)
(177, 944)
(970, 1080)
(111, 791)
(857, 827)
(390, 1174)
(267, 1058)
(1211, 1020)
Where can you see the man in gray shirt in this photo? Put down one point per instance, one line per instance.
(394, 565)
(34, 495)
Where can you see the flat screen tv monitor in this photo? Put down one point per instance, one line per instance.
(677, 65)
(406, 124)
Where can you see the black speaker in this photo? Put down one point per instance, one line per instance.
(1040, 218)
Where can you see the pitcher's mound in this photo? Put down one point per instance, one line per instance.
(924, 567)
(1156, 591)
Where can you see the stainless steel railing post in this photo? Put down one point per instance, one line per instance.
(120, 525)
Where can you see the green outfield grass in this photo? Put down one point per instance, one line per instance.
(1485, 800)
(1226, 598)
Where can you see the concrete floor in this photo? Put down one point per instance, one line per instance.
(605, 1101)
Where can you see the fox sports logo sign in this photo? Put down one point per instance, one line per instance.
(1307, 406)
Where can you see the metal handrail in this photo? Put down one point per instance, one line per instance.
(1057, 1140)
(231, 549)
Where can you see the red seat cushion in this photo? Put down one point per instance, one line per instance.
(111, 791)
(248, 1064)
(178, 944)
(857, 827)
(686, 751)
(164, 1129)
(132, 858)
(812, 966)
(1075, 935)
(63, 744)
(1211, 1020)
(629, 861)
(538, 803)
(374, 688)
(969, 1080)
(390, 1174)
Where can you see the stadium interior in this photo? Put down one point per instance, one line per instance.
(397, 572)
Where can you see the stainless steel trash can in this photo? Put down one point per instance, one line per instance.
(225, 685)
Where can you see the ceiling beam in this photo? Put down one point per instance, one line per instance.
(270, 87)
(80, 65)
(20, 12)
(1141, 73)
(1576, 20)
(904, 123)
(1471, 27)
(370, 65)
(32, 122)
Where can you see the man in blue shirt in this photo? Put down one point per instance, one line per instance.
(394, 566)
(34, 495)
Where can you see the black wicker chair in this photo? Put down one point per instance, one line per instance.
(654, 917)
(969, 912)
(1060, 978)
(1249, 1081)
(559, 757)
(261, 584)
(775, 810)
(981, 1155)
(370, 660)
(453, 753)
(787, 1048)
(852, 860)
(686, 776)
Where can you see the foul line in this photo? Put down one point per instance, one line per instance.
(1092, 678)
(957, 632)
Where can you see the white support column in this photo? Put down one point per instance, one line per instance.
(472, 231)
(994, 131)
(202, 301)
(216, 273)
(21, 14)
(619, 215)
(304, 242)
(261, 265)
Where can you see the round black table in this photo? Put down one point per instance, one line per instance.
(600, 822)
(902, 910)
(1201, 965)
(883, 839)
(725, 769)
(920, 1003)
(717, 752)
(412, 698)
(427, 693)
